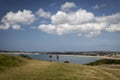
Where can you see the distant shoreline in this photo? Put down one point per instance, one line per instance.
(102, 57)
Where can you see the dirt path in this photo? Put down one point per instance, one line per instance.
(112, 76)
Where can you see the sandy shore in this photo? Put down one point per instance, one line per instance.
(102, 57)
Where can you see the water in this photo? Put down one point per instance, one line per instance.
(71, 58)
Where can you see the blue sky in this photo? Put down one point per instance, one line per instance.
(60, 25)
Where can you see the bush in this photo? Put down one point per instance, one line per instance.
(66, 61)
(104, 61)
(25, 56)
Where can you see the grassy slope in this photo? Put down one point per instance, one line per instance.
(42, 70)
(104, 61)
(7, 61)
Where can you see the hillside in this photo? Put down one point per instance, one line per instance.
(7, 61)
(42, 70)
(104, 61)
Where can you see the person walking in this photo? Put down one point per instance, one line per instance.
(57, 57)
(50, 57)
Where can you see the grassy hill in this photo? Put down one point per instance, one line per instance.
(104, 61)
(7, 61)
(43, 70)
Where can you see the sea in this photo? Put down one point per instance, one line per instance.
(75, 59)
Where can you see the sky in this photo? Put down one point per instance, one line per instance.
(60, 25)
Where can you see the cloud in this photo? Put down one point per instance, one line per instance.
(5, 26)
(24, 17)
(83, 29)
(113, 28)
(65, 21)
(67, 6)
(41, 13)
(82, 23)
(47, 28)
(98, 6)
(15, 19)
(80, 16)
(92, 34)
(111, 19)
(16, 27)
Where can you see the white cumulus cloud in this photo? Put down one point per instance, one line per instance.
(47, 28)
(24, 17)
(20, 17)
(80, 16)
(41, 13)
(67, 6)
(113, 28)
(81, 22)
(65, 21)
(16, 27)
(5, 26)
(88, 28)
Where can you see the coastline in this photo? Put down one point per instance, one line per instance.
(102, 57)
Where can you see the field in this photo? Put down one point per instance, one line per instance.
(43, 70)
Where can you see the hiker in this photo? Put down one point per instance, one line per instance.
(50, 57)
(57, 56)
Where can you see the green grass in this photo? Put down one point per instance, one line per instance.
(104, 61)
(7, 61)
(43, 70)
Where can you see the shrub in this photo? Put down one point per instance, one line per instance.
(66, 61)
(104, 61)
(25, 56)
